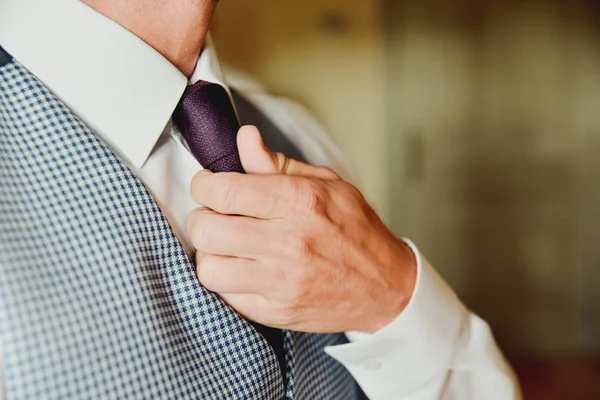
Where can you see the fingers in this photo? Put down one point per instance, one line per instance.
(231, 275)
(259, 196)
(235, 236)
(273, 186)
(252, 307)
(257, 308)
(257, 158)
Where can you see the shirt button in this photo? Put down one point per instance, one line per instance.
(371, 364)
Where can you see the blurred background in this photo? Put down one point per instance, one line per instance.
(475, 126)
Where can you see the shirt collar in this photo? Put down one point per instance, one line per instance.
(122, 88)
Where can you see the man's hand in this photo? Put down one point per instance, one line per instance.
(293, 246)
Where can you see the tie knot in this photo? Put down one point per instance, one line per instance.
(208, 122)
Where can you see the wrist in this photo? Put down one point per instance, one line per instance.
(398, 289)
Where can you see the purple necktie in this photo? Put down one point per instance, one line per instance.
(207, 120)
(208, 123)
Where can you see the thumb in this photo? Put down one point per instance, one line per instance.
(257, 158)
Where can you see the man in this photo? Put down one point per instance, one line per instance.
(109, 110)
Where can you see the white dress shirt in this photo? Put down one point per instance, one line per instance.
(126, 93)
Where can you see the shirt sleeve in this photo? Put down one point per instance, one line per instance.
(435, 349)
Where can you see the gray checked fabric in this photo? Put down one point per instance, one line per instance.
(98, 300)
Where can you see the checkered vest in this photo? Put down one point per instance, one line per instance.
(98, 299)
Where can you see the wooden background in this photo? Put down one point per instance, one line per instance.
(475, 125)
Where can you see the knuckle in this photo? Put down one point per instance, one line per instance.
(298, 298)
(287, 315)
(300, 287)
(225, 195)
(308, 195)
(314, 198)
(331, 174)
(349, 198)
(353, 192)
(281, 275)
(293, 189)
(301, 246)
(296, 281)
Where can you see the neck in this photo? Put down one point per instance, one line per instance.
(176, 29)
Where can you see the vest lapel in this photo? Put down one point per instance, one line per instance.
(93, 279)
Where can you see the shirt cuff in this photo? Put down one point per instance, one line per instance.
(413, 348)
